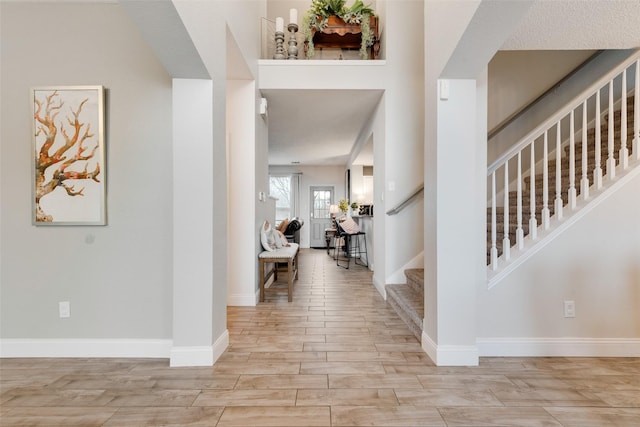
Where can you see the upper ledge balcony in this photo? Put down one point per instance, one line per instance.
(326, 74)
(337, 41)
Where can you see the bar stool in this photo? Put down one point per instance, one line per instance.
(352, 247)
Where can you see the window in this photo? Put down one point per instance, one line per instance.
(280, 187)
(321, 203)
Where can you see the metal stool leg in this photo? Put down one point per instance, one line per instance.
(360, 252)
(347, 245)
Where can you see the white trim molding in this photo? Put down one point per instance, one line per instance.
(85, 348)
(399, 277)
(243, 300)
(203, 355)
(380, 288)
(450, 355)
(559, 347)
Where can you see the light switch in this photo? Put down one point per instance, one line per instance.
(64, 307)
(444, 89)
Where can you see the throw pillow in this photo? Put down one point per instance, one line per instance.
(350, 226)
(283, 225)
(266, 237)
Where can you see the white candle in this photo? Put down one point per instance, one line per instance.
(279, 25)
(293, 16)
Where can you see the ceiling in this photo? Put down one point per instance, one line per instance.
(324, 131)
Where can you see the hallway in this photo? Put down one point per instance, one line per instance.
(336, 356)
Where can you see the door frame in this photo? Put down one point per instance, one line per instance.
(319, 241)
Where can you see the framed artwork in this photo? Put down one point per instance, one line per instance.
(69, 162)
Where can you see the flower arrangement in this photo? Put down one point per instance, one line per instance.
(343, 204)
(317, 17)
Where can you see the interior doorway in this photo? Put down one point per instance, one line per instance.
(321, 199)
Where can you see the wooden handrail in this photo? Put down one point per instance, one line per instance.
(406, 201)
(562, 112)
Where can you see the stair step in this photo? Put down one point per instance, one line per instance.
(415, 279)
(408, 304)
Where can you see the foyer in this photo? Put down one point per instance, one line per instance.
(337, 355)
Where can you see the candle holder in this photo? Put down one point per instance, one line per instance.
(279, 53)
(293, 43)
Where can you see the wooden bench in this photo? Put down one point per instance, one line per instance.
(288, 254)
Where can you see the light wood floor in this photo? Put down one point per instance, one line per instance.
(335, 356)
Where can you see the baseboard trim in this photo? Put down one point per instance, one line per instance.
(398, 275)
(380, 288)
(242, 300)
(85, 348)
(204, 355)
(450, 355)
(559, 347)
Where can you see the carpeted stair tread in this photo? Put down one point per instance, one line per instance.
(409, 305)
(415, 279)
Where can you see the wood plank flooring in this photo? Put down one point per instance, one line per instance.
(336, 356)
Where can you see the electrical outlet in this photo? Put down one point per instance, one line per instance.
(569, 309)
(65, 309)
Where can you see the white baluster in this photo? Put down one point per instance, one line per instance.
(584, 182)
(611, 161)
(597, 172)
(494, 224)
(558, 201)
(519, 230)
(506, 242)
(624, 151)
(533, 222)
(572, 194)
(636, 115)
(546, 215)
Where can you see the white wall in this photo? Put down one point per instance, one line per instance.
(117, 277)
(445, 23)
(379, 179)
(596, 263)
(207, 24)
(517, 78)
(403, 142)
(515, 318)
(192, 229)
(455, 162)
(242, 198)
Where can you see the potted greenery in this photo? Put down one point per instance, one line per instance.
(323, 13)
(354, 209)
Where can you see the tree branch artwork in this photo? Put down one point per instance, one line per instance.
(66, 158)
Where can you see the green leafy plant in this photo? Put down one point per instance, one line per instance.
(317, 18)
(343, 204)
(327, 7)
(354, 206)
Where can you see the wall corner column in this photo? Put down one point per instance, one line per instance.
(194, 343)
(453, 223)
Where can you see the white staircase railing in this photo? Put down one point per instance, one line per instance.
(550, 152)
